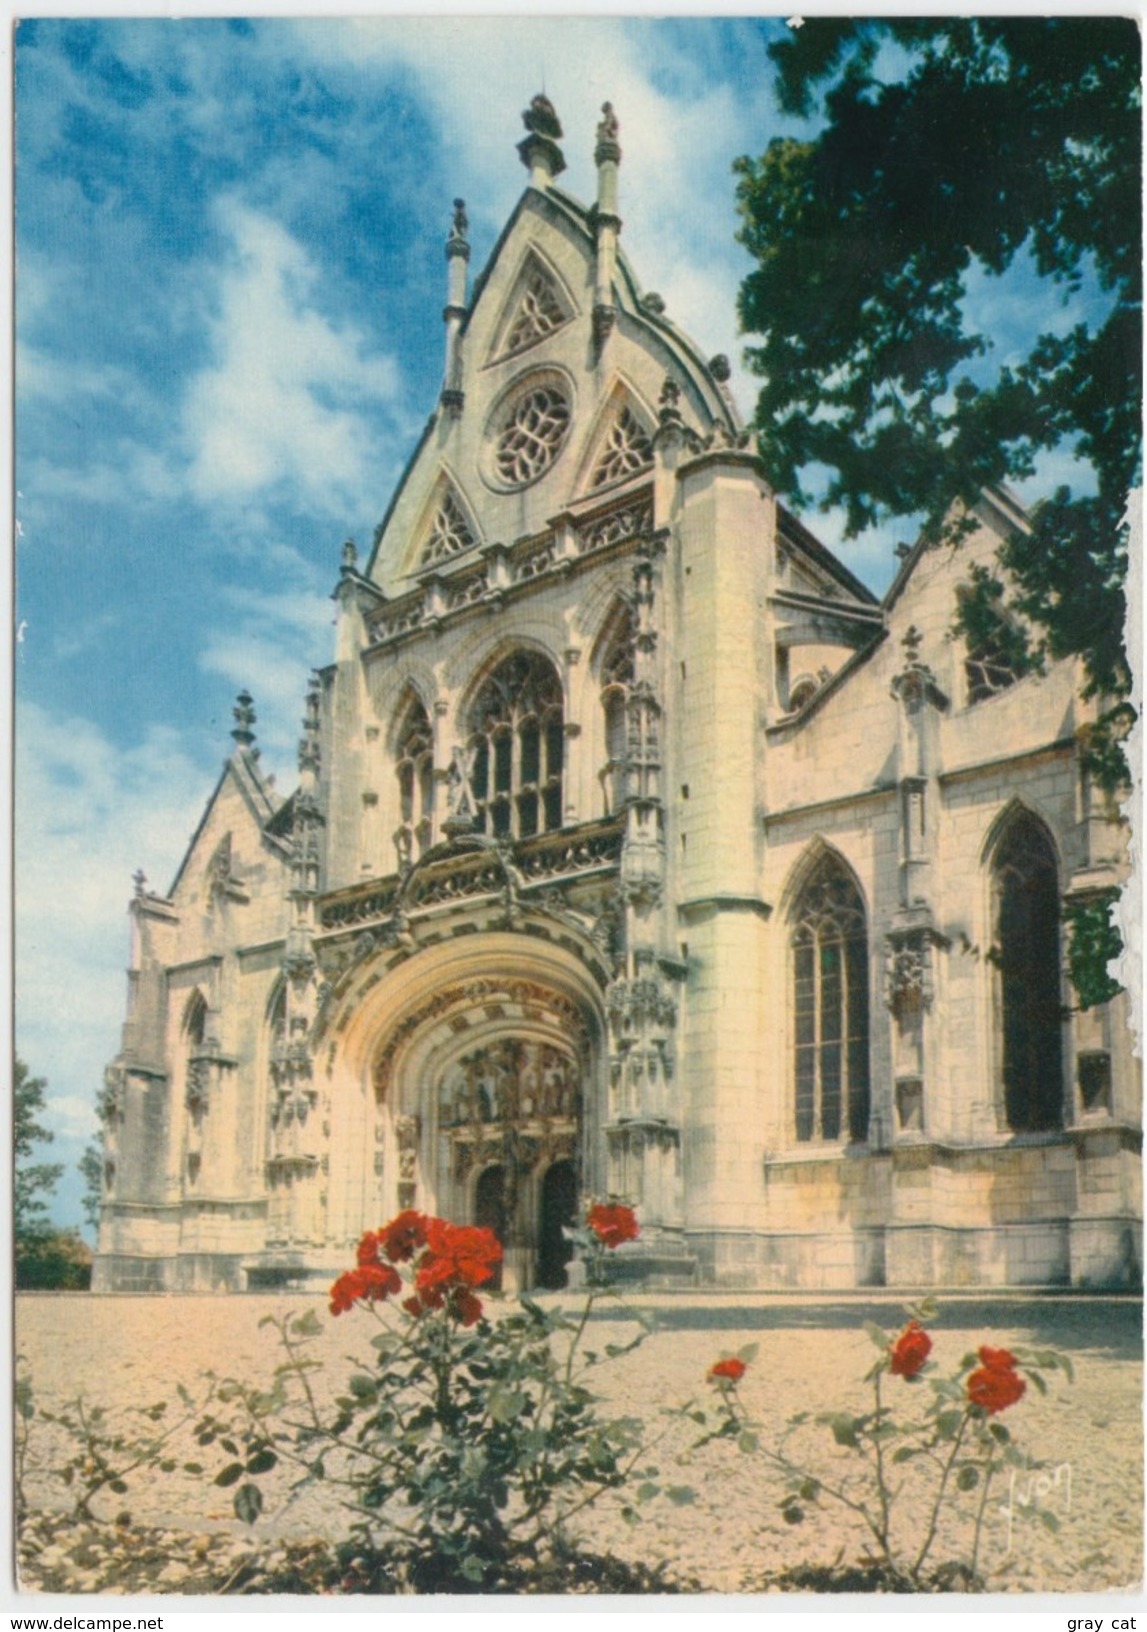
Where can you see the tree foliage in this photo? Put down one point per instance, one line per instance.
(45, 1257)
(91, 1169)
(992, 143)
(34, 1181)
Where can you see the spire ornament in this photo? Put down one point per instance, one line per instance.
(244, 712)
(539, 150)
(451, 396)
(608, 147)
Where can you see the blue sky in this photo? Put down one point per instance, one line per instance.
(229, 287)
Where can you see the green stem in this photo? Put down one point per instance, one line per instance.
(989, 1470)
(935, 1518)
(881, 1485)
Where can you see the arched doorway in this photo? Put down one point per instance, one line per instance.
(556, 1212)
(490, 1209)
(482, 1089)
(508, 1116)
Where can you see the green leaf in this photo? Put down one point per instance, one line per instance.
(879, 1338)
(307, 1325)
(1048, 1520)
(904, 1453)
(119, 1486)
(362, 1386)
(262, 1461)
(747, 1441)
(948, 1423)
(248, 1503)
(968, 1477)
(1038, 1381)
(749, 1353)
(844, 1429)
(193, 1467)
(647, 1490)
(680, 1495)
(473, 1569)
(505, 1404)
(999, 1432)
(229, 1474)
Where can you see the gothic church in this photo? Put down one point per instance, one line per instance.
(637, 851)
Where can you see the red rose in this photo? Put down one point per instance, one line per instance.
(404, 1235)
(457, 1253)
(465, 1307)
(369, 1283)
(997, 1359)
(731, 1370)
(910, 1350)
(996, 1389)
(368, 1249)
(613, 1224)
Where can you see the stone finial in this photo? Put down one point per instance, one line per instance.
(911, 643)
(139, 882)
(458, 243)
(350, 555)
(541, 118)
(608, 149)
(719, 368)
(244, 713)
(539, 150)
(667, 410)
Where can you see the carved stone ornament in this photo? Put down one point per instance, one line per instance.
(640, 1003)
(908, 972)
(916, 683)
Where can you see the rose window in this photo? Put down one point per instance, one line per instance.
(532, 437)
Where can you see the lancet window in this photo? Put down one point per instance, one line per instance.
(829, 950)
(616, 682)
(414, 768)
(518, 744)
(1026, 954)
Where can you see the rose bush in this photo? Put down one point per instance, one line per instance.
(950, 1442)
(466, 1449)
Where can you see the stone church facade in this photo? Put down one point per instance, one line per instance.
(637, 851)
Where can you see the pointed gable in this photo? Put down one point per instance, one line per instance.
(530, 420)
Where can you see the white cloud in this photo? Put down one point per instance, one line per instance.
(72, 1116)
(87, 815)
(271, 647)
(678, 142)
(288, 403)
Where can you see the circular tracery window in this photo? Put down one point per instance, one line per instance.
(532, 436)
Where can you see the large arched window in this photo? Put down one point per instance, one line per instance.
(414, 767)
(616, 680)
(196, 1084)
(829, 946)
(1026, 954)
(518, 743)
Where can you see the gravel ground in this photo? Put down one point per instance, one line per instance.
(122, 1352)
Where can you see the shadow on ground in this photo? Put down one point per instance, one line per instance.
(1108, 1325)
